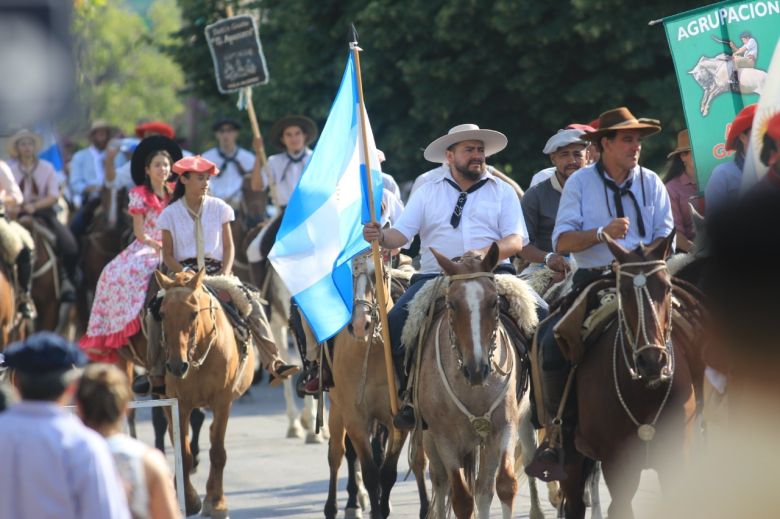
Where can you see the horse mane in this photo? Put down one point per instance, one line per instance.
(522, 305)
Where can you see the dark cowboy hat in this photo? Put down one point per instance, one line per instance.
(683, 143)
(43, 352)
(622, 119)
(303, 122)
(222, 121)
(147, 146)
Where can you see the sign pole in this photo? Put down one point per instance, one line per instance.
(378, 273)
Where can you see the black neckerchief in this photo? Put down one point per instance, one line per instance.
(619, 192)
(290, 161)
(458, 211)
(227, 160)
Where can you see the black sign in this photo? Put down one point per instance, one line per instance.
(237, 53)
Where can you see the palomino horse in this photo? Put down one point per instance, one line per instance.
(204, 369)
(635, 386)
(7, 308)
(475, 371)
(360, 399)
(712, 75)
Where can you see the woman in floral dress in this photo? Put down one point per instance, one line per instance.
(123, 284)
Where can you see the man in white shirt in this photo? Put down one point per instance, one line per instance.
(233, 162)
(87, 175)
(464, 209)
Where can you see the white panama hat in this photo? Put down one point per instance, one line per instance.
(494, 141)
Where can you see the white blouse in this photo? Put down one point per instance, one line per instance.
(181, 225)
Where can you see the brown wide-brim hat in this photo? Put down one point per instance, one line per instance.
(301, 121)
(683, 143)
(622, 119)
(10, 144)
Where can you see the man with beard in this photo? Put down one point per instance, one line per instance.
(567, 151)
(465, 209)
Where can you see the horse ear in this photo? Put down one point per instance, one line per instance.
(667, 244)
(445, 263)
(197, 279)
(698, 219)
(617, 250)
(162, 280)
(490, 260)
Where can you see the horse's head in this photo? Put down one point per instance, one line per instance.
(365, 325)
(472, 309)
(644, 296)
(186, 335)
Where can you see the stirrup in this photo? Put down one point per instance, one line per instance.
(404, 419)
(547, 464)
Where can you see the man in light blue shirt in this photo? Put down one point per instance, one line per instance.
(53, 465)
(615, 196)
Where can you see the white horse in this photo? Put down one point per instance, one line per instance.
(279, 320)
(712, 75)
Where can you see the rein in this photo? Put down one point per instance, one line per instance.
(646, 432)
(192, 344)
(372, 307)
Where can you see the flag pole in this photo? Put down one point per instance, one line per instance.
(375, 252)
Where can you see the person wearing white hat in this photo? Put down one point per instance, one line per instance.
(566, 150)
(466, 209)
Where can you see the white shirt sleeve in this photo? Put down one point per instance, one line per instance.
(511, 219)
(411, 219)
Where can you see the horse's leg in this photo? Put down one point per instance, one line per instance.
(362, 443)
(127, 368)
(526, 446)
(574, 485)
(353, 509)
(389, 467)
(279, 330)
(216, 504)
(196, 421)
(336, 450)
(192, 502)
(160, 424)
(593, 486)
(439, 479)
(622, 482)
(419, 466)
(506, 479)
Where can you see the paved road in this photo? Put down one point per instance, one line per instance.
(269, 476)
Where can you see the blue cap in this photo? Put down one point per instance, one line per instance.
(43, 352)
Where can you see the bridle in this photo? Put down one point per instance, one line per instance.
(359, 269)
(191, 343)
(454, 343)
(640, 341)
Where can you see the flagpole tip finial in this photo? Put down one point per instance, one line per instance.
(353, 35)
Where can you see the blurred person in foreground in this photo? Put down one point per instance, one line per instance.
(53, 465)
(102, 397)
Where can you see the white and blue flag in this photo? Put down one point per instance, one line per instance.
(322, 230)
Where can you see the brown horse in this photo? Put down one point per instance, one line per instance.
(636, 386)
(46, 281)
(204, 369)
(249, 216)
(474, 371)
(360, 398)
(7, 308)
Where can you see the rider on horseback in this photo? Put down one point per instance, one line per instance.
(41, 190)
(470, 226)
(580, 230)
(196, 235)
(234, 162)
(566, 150)
(13, 247)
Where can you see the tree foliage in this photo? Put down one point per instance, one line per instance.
(524, 68)
(123, 75)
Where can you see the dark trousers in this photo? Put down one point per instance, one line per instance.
(83, 217)
(66, 241)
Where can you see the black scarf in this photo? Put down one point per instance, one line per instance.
(227, 160)
(619, 192)
(458, 211)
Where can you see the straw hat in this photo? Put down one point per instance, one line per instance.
(622, 119)
(151, 145)
(101, 124)
(683, 143)
(494, 141)
(304, 123)
(10, 145)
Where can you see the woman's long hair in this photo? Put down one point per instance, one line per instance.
(675, 169)
(178, 190)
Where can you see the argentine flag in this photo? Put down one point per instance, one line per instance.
(322, 229)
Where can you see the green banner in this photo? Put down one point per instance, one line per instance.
(721, 53)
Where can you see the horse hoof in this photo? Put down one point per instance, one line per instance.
(295, 431)
(219, 514)
(353, 513)
(364, 500)
(312, 438)
(193, 507)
